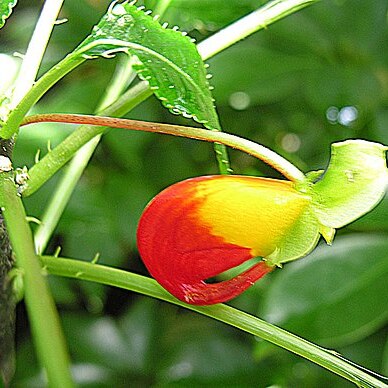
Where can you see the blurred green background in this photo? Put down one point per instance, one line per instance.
(316, 77)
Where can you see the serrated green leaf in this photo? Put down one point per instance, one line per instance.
(353, 184)
(165, 58)
(337, 295)
(6, 10)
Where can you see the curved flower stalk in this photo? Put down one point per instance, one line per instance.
(196, 229)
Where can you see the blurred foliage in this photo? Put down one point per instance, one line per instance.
(316, 77)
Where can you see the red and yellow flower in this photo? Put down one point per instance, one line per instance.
(201, 227)
(196, 229)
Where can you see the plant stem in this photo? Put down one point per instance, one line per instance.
(229, 315)
(161, 7)
(46, 328)
(62, 194)
(249, 24)
(7, 295)
(36, 48)
(41, 86)
(255, 21)
(123, 75)
(67, 148)
(58, 201)
(42, 171)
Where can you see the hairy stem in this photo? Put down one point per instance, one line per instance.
(42, 171)
(229, 315)
(66, 150)
(7, 297)
(43, 316)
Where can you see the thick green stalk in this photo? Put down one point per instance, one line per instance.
(43, 170)
(25, 80)
(229, 315)
(43, 316)
(7, 296)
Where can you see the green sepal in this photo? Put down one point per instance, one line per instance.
(299, 241)
(353, 184)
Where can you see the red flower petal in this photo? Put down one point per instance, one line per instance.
(201, 227)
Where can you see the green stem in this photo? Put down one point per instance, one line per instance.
(229, 315)
(44, 170)
(67, 148)
(123, 75)
(45, 325)
(58, 201)
(36, 48)
(249, 24)
(161, 7)
(11, 126)
(253, 22)
(62, 194)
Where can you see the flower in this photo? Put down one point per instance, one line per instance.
(201, 227)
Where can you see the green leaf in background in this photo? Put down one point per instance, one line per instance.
(320, 297)
(165, 58)
(6, 10)
(354, 183)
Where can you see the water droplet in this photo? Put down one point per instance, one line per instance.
(118, 10)
(291, 142)
(332, 114)
(239, 100)
(347, 115)
(180, 370)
